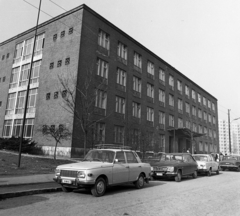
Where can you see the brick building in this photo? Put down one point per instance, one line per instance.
(145, 103)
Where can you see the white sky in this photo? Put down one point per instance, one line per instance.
(200, 38)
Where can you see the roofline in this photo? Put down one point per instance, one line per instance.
(84, 6)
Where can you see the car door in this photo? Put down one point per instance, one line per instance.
(214, 164)
(120, 168)
(185, 165)
(135, 168)
(192, 164)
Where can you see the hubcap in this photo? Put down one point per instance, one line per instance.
(141, 181)
(100, 187)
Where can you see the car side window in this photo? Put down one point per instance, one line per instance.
(185, 158)
(120, 156)
(131, 157)
(190, 159)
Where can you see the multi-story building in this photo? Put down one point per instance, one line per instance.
(224, 137)
(145, 102)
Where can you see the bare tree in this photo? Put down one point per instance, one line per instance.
(80, 98)
(58, 133)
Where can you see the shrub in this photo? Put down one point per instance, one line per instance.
(28, 146)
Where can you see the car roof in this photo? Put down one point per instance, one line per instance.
(178, 153)
(200, 155)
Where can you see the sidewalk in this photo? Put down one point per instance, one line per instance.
(27, 185)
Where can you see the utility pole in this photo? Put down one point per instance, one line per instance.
(28, 88)
(229, 132)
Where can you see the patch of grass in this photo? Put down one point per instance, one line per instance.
(29, 164)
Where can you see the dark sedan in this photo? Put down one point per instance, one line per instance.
(174, 165)
(230, 163)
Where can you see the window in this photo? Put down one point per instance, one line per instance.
(205, 116)
(59, 64)
(18, 53)
(103, 39)
(51, 66)
(171, 82)
(64, 93)
(70, 31)
(32, 98)
(55, 37)
(62, 34)
(11, 103)
(0, 79)
(3, 57)
(122, 51)
(120, 105)
(7, 128)
(100, 132)
(214, 120)
(55, 95)
(193, 95)
(39, 44)
(213, 107)
(67, 61)
(20, 102)
(24, 75)
(194, 111)
(187, 90)
(187, 106)
(28, 129)
(137, 84)
(101, 99)
(199, 113)
(209, 104)
(162, 76)
(180, 122)
(17, 126)
(121, 77)
(171, 120)
(0, 104)
(120, 156)
(150, 114)
(194, 127)
(171, 100)
(14, 77)
(162, 118)
(150, 68)
(8, 55)
(4, 79)
(161, 96)
(199, 98)
(150, 90)
(35, 72)
(209, 118)
(137, 60)
(179, 86)
(180, 105)
(204, 101)
(131, 157)
(118, 135)
(48, 95)
(136, 111)
(200, 129)
(28, 48)
(188, 124)
(102, 68)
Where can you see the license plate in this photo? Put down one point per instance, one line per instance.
(159, 174)
(66, 181)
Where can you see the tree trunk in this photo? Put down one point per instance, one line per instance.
(55, 150)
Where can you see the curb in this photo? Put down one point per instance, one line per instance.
(29, 192)
(22, 184)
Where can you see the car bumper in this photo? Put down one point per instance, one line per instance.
(229, 166)
(202, 170)
(73, 182)
(158, 174)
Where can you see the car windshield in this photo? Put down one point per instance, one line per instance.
(200, 158)
(229, 158)
(171, 158)
(100, 155)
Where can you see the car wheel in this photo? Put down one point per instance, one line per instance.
(194, 175)
(238, 169)
(178, 177)
(209, 173)
(99, 188)
(140, 182)
(217, 171)
(223, 169)
(66, 189)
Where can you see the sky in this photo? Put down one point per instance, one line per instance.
(200, 38)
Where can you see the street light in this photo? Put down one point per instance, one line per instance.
(230, 147)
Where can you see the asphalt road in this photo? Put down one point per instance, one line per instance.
(216, 195)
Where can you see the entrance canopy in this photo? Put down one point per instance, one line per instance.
(184, 132)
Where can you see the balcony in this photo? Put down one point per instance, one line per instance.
(149, 123)
(138, 69)
(103, 51)
(137, 94)
(150, 99)
(162, 82)
(122, 60)
(120, 116)
(150, 76)
(99, 111)
(161, 104)
(121, 87)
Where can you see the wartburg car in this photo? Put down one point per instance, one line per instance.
(206, 164)
(174, 165)
(101, 168)
(230, 163)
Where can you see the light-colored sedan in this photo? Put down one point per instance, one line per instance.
(206, 164)
(101, 168)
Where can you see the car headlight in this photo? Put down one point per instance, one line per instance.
(170, 169)
(81, 174)
(152, 169)
(57, 172)
(203, 166)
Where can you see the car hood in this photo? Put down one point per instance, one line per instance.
(85, 165)
(165, 163)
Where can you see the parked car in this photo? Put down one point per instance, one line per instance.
(230, 163)
(174, 165)
(149, 154)
(103, 167)
(206, 164)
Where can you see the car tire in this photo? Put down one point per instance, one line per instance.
(66, 189)
(217, 172)
(209, 173)
(140, 182)
(178, 177)
(99, 188)
(194, 175)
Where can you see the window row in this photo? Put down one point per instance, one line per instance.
(7, 56)
(59, 63)
(104, 41)
(62, 34)
(56, 95)
(2, 79)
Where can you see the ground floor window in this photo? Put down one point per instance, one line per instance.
(119, 134)
(7, 128)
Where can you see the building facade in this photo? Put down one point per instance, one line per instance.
(139, 99)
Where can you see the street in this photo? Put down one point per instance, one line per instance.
(215, 195)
